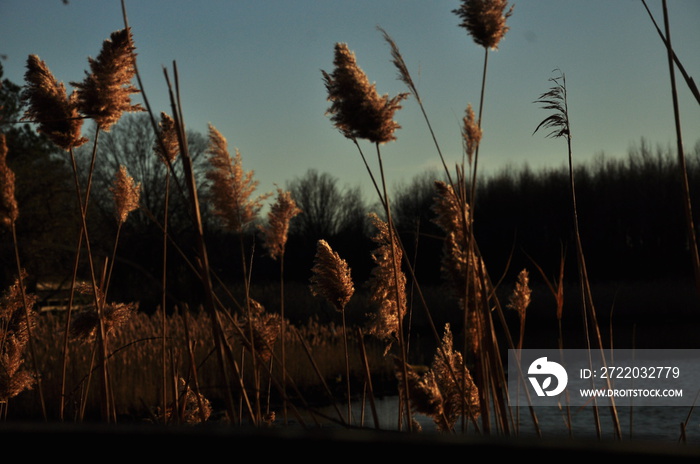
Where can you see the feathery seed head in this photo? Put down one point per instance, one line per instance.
(191, 408)
(520, 299)
(485, 20)
(105, 93)
(400, 64)
(331, 276)
(471, 133)
(126, 194)
(231, 187)
(275, 233)
(168, 133)
(357, 110)
(265, 328)
(56, 114)
(423, 390)
(384, 283)
(451, 214)
(555, 99)
(460, 393)
(85, 323)
(14, 336)
(8, 203)
(445, 390)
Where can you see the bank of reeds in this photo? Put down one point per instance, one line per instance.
(136, 368)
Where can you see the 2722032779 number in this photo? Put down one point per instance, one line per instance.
(639, 372)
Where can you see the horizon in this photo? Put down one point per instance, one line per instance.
(254, 72)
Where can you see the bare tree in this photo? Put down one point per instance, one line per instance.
(131, 143)
(327, 210)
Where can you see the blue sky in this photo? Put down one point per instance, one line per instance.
(253, 70)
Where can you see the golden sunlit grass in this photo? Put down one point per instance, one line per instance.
(135, 365)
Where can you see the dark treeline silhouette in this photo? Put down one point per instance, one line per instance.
(630, 213)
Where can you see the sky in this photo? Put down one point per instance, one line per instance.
(253, 69)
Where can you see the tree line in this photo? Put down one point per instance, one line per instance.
(630, 213)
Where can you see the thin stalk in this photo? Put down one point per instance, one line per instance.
(321, 378)
(404, 75)
(347, 366)
(368, 377)
(164, 328)
(409, 267)
(283, 338)
(472, 195)
(205, 275)
(28, 320)
(556, 99)
(102, 354)
(395, 264)
(687, 209)
(688, 80)
(251, 334)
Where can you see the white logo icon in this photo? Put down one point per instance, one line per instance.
(541, 368)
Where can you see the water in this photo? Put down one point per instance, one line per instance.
(648, 423)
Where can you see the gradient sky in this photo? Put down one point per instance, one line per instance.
(253, 70)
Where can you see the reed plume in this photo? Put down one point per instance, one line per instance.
(278, 219)
(452, 216)
(331, 277)
(445, 390)
(357, 110)
(384, 283)
(555, 99)
(231, 187)
(105, 93)
(485, 20)
(48, 105)
(424, 394)
(520, 300)
(169, 149)
(460, 265)
(125, 193)
(86, 322)
(15, 335)
(9, 211)
(460, 393)
(264, 327)
(471, 133)
(191, 407)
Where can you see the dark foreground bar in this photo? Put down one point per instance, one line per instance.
(142, 442)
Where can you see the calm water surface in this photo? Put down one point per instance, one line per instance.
(660, 423)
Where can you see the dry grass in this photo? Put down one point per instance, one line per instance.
(135, 366)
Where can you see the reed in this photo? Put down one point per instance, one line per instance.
(275, 240)
(555, 99)
(331, 279)
(359, 112)
(485, 21)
